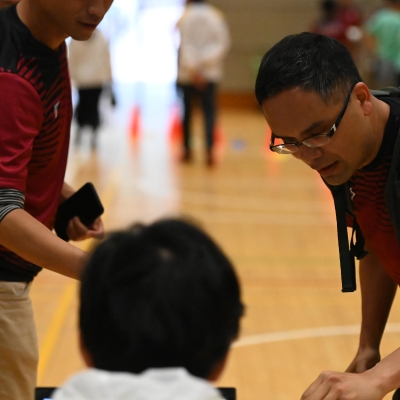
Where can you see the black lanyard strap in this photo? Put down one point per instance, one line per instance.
(347, 263)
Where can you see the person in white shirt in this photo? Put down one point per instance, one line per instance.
(90, 70)
(204, 45)
(159, 308)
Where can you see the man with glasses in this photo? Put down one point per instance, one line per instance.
(321, 112)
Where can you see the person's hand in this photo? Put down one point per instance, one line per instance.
(344, 386)
(365, 359)
(77, 231)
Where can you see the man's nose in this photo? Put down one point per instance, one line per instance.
(308, 154)
(99, 8)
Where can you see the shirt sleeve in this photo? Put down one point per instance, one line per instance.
(10, 199)
(21, 118)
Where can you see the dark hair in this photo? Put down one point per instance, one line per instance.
(329, 6)
(157, 296)
(309, 61)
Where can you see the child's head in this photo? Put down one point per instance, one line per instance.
(156, 296)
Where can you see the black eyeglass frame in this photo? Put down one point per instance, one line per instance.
(328, 135)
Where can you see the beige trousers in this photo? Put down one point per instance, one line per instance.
(18, 342)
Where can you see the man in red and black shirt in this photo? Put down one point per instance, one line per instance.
(322, 113)
(35, 118)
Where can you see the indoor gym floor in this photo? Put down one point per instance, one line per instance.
(272, 216)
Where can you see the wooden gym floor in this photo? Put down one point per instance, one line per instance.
(271, 215)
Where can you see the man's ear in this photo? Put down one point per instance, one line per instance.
(85, 354)
(363, 95)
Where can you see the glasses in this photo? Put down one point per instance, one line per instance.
(313, 141)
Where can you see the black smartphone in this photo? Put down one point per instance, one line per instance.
(84, 203)
(44, 393)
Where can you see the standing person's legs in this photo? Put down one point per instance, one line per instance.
(93, 112)
(79, 114)
(188, 93)
(209, 110)
(18, 342)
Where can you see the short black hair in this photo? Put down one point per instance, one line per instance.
(309, 61)
(157, 296)
(329, 5)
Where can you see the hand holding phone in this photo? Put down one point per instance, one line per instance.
(84, 203)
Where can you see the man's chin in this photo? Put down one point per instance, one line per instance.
(335, 180)
(81, 37)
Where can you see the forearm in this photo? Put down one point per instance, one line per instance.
(386, 374)
(31, 240)
(66, 192)
(378, 291)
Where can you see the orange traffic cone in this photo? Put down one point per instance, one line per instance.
(268, 134)
(135, 126)
(219, 134)
(175, 126)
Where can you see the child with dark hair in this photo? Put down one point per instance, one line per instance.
(160, 307)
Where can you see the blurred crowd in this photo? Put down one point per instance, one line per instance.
(373, 40)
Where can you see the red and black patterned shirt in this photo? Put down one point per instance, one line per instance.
(368, 192)
(35, 119)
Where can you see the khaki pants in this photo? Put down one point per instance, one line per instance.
(18, 342)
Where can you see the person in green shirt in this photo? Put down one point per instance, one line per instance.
(383, 36)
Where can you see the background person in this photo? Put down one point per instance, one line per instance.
(383, 38)
(204, 44)
(351, 17)
(325, 116)
(328, 23)
(35, 99)
(159, 308)
(90, 69)
(342, 20)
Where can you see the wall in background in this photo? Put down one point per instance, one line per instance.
(256, 25)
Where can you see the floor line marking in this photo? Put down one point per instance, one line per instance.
(53, 332)
(310, 333)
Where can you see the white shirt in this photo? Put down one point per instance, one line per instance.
(153, 384)
(204, 42)
(89, 62)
